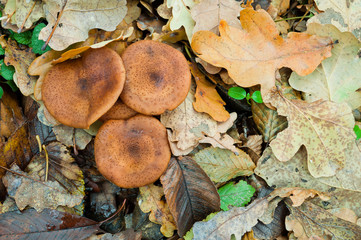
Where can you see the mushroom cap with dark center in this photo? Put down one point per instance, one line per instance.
(157, 77)
(119, 111)
(132, 153)
(77, 92)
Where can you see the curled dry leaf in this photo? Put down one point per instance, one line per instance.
(190, 193)
(103, 15)
(336, 78)
(208, 67)
(236, 221)
(298, 195)
(208, 13)
(254, 142)
(301, 52)
(324, 127)
(150, 200)
(345, 15)
(309, 221)
(222, 165)
(181, 16)
(207, 97)
(222, 140)
(21, 60)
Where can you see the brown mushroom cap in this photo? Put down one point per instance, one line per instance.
(132, 153)
(119, 111)
(78, 92)
(157, 77)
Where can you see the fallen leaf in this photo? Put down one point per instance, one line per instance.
(133, 11)
(336, 78)
(345, 15)
(181, 16)
(70, 136)
(309, 220)
(149, 200)
(208, 67)
(190, 194)
(235, 195)
(128, 234)
(207, 97)
(281, 6)
(11, 116)
(223, 141)
(208, 13)
(164, 11)
(261, 48)
(222, 165)
(344, 213)
(236, 221)
(49, 224)
(298, 195)
(188, 126)
(254, 142)
(323, 127)
(21, 60)
(98, 15)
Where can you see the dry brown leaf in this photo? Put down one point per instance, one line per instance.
(66, 135)
(133, 11)
(258, 46)
(21, 60)
(11, 116)
(298, 195)
(164, 11)
(104, 15)
(237, 221)
(207, 97)
(323, 127)
(223, 141)
(150, 200)
(344, 213)
(254, 142)
(208, 13)
(208, 67)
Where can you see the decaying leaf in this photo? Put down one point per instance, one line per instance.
(254, 142)
(323, 127)
(336, 78)
(298, 195)
(11, 116)
(207, 97)
(208, 13)
(300, 52)
(21, 60)
(222, 165)
(70, 136)
(65, 186)
(49, 224)
(236, 221)
(188, 126)
(222, 140)
(150, 200)
(182, 15)
(103, 15)
(344, 14)
(128, 234)
(190, 193)
(310, 221)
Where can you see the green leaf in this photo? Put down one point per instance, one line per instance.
(2, 51)
(6, 72)
(257, 97)
(357, 131)
(22, 38)
(1, 92)
(237, 195)
(237, 93)
(37, 44)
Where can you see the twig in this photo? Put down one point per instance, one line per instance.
(26, 18)
(116, 213)
(9, 17)
(46, 163)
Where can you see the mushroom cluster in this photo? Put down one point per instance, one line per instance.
(131, 148)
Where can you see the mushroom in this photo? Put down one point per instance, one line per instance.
(119, 111)
(132, 153)
(157, 77)
(78, 92)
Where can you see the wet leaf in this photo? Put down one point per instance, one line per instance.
(236, 221)
(49, 224)
(105, 15)
(235, 195)
(222, 165)
(324, 127)
(190, 194)
(150, 201)
(300, 52)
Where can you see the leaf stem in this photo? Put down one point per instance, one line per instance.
(292, 18)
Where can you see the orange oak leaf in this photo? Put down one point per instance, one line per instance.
(253, 54)
(207, 97)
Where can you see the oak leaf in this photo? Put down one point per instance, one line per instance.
(208, 13)
(253, 54)
(336, 78)
(323, 127)
(150, 201)
(344, 14)
(182, 15)
(298, 195)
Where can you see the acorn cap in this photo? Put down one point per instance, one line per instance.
(77, 92)
(132, 153)
(157, 77)
(119, 111)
